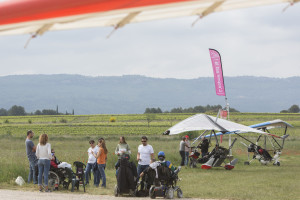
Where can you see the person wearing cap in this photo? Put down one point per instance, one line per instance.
(161, 162)
(182, 146)
(30, 151)
(187, 150)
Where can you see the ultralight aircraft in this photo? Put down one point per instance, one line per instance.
(209, 123)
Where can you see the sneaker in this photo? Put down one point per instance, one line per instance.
(103, 186)
(41, 190)
(48, 190)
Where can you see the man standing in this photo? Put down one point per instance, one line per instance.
(30, 151)
(187, 150)
(145, 155)
(182, 146)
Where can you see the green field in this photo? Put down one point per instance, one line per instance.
(70, 138)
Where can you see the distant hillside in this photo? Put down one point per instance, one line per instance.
(132, 94)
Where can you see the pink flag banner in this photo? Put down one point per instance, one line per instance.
(218, 72)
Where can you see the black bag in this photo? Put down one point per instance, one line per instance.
(95, 166)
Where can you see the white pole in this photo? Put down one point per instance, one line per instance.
(229, 141)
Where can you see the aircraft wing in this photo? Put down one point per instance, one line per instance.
(38, 16)
(207, 122)
(277, 123)
(268, 125)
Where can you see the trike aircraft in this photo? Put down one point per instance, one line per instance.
(261, 153)
(211, 124)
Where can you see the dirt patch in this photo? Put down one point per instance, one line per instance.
(30, 195)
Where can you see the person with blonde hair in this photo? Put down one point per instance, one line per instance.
(101, 160)
(43, 153)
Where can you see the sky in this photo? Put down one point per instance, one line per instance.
(260, 41)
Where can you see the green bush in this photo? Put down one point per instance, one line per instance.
(62, 120)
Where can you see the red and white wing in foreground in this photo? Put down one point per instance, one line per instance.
(39, 16)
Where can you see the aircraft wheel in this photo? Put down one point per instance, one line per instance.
(246, 163)
(179, 193)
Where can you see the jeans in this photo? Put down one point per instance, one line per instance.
(182, 154)
(203, 154)
(89, 168)
(101, 168)
(186, 159)
(44, 166)
(32, 172)
(140, 169)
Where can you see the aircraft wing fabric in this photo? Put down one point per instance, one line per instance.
(38, 16)
(206, 122)
(277, 123)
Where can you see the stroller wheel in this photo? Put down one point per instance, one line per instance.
(116, 191)
(152, 192)
(73, 184)
(169, 193)
(179, 193)
(246, 163)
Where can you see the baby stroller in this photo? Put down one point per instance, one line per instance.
(126, 177)
(165, 183)
(78, 177)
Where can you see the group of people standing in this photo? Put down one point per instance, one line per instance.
(184, 150)
(41, 156)
(145, 156)
(97, 157)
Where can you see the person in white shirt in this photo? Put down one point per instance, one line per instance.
(43, 154)
(145, 156)
(92, 164)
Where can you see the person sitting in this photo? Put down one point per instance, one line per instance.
(157, 170)
(54, 161)
(204, 147)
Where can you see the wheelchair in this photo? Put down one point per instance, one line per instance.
(65, 177)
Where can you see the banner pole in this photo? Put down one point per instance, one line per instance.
(229, 140)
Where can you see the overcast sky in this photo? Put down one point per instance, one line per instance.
(260, 41)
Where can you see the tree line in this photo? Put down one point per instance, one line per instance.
(20, 111)
(293, 109)
(196, 109)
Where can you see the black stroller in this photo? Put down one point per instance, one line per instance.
(126, 177)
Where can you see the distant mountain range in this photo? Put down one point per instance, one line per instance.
(133, 94)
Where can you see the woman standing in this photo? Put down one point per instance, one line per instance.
(101, 160)
(122, 148)
(43, 153)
